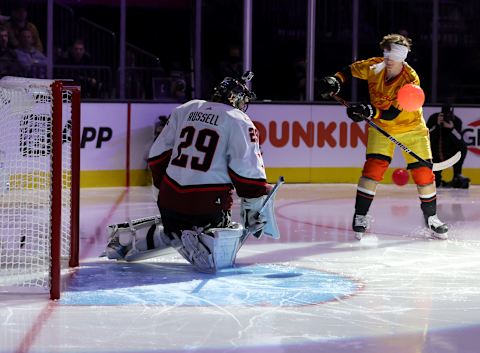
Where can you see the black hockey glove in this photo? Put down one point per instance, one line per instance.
(328, 85)
(362, 111)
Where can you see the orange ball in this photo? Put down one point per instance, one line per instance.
(400, 176)
(411, 97)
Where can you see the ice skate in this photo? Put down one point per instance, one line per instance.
(360, 225)
(438, 229)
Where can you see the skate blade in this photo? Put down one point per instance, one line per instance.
(359, 235)
(439, 236)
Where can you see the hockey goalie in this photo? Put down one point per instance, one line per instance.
(207, 150)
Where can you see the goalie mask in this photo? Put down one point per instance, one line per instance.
(234, 92)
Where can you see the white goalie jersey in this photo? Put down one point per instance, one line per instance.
(206, 150)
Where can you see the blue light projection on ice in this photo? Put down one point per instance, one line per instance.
(180, 285)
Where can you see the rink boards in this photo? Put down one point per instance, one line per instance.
(304, 143)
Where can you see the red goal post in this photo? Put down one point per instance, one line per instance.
(39, 183)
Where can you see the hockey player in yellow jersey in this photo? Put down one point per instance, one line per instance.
(385, 76)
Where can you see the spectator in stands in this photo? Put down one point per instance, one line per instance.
(33, 63)
(232, 66)
(446, 140)
(77, 55)
(134, 87)
(9, 65)
(58, 54)
(19, 22)
(178, 88)
(300, 77)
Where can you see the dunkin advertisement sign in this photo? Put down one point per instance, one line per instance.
(308, 136)
(323, 135)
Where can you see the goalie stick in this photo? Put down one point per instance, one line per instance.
(434, 166)
(272, 193)
(270, 197)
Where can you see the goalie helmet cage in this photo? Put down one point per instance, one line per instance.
(39, 183)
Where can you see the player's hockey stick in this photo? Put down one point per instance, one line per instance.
(434, 166)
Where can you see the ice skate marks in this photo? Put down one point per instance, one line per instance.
(168, 284)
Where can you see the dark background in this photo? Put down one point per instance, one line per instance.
(162, 32)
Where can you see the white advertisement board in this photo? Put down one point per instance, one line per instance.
(292, 136)
(143, 119)
(103, 136)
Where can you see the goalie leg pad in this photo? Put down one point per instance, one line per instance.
(138, 223)
(197, 251)
(226, 243)
(212, 250)
(121, 235)
(114, 249)
(148, 243)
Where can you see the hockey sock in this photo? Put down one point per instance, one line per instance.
(429, 204)
(363, 200)
(365, 193)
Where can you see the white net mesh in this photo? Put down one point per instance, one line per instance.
(25, 181)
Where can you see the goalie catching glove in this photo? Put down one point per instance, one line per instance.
(252, 219)
(362, 111)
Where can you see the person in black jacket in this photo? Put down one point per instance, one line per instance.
(446, 140)
(9, 65)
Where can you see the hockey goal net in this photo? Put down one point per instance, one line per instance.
(39, 183)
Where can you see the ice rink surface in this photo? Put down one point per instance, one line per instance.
(316, 289)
